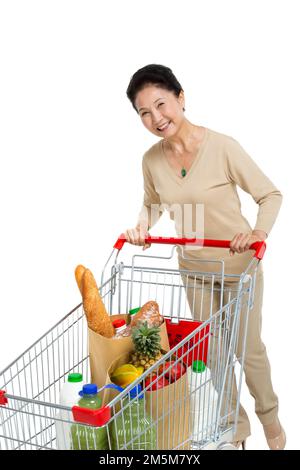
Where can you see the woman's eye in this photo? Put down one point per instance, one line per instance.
(146, 112)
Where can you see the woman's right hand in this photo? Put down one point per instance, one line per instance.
(137, 235)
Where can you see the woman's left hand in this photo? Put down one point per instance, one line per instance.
(242, 241)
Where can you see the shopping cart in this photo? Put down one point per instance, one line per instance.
(207, 319)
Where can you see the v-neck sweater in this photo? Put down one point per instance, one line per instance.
(220, 165)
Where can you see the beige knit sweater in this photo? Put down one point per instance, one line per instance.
(208, 194)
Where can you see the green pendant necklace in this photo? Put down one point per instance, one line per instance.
(183, 171)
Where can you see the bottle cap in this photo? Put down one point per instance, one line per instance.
(119, 323)
(136, 392)
(198, 366)
(133, 311)
(90, 389)
(75, 377)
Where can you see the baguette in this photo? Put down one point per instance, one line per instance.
(97, 316)
(78, 276)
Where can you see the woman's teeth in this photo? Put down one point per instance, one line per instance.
(161, 129)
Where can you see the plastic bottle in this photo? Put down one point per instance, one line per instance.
(133, 429)
(133, 312)
(204, 401)
(121, 329)
(88, 437)
(68, 396)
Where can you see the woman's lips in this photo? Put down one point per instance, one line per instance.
(165, 128)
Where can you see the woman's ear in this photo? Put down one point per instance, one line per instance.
(181, 99)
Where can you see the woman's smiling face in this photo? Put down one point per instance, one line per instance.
(160, 110)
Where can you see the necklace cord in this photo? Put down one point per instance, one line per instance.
(183, 169)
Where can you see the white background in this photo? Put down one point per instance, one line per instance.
(71, 148)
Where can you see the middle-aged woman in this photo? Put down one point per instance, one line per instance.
(192, 164)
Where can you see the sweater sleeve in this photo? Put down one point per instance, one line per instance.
(243, 171)
(151, 209)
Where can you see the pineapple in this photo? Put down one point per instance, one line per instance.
(146, 341)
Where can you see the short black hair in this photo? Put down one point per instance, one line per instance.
(152, 74)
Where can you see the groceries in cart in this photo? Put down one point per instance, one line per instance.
(121, 329)
(148, 343)
(106, 344)
(147, 351)
(204, 401)
(144, 330)
(134, 425)
(178, 404)
(160, 401)
(87, 437)
(68, 396)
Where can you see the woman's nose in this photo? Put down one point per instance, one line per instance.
(157, 119)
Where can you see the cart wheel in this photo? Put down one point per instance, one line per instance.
(226, 446)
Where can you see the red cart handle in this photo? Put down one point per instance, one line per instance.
(259, 247)
(3, 399)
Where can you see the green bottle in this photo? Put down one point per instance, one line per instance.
(88, 437)
(133, 429)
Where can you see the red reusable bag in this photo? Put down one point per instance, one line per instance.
(196, 347)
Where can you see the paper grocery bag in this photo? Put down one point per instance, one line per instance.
(168, 407)
(110, 394)
(102, 351)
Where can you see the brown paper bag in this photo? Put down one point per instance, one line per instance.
(169, 408)
(102, 351)
(110, 394)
